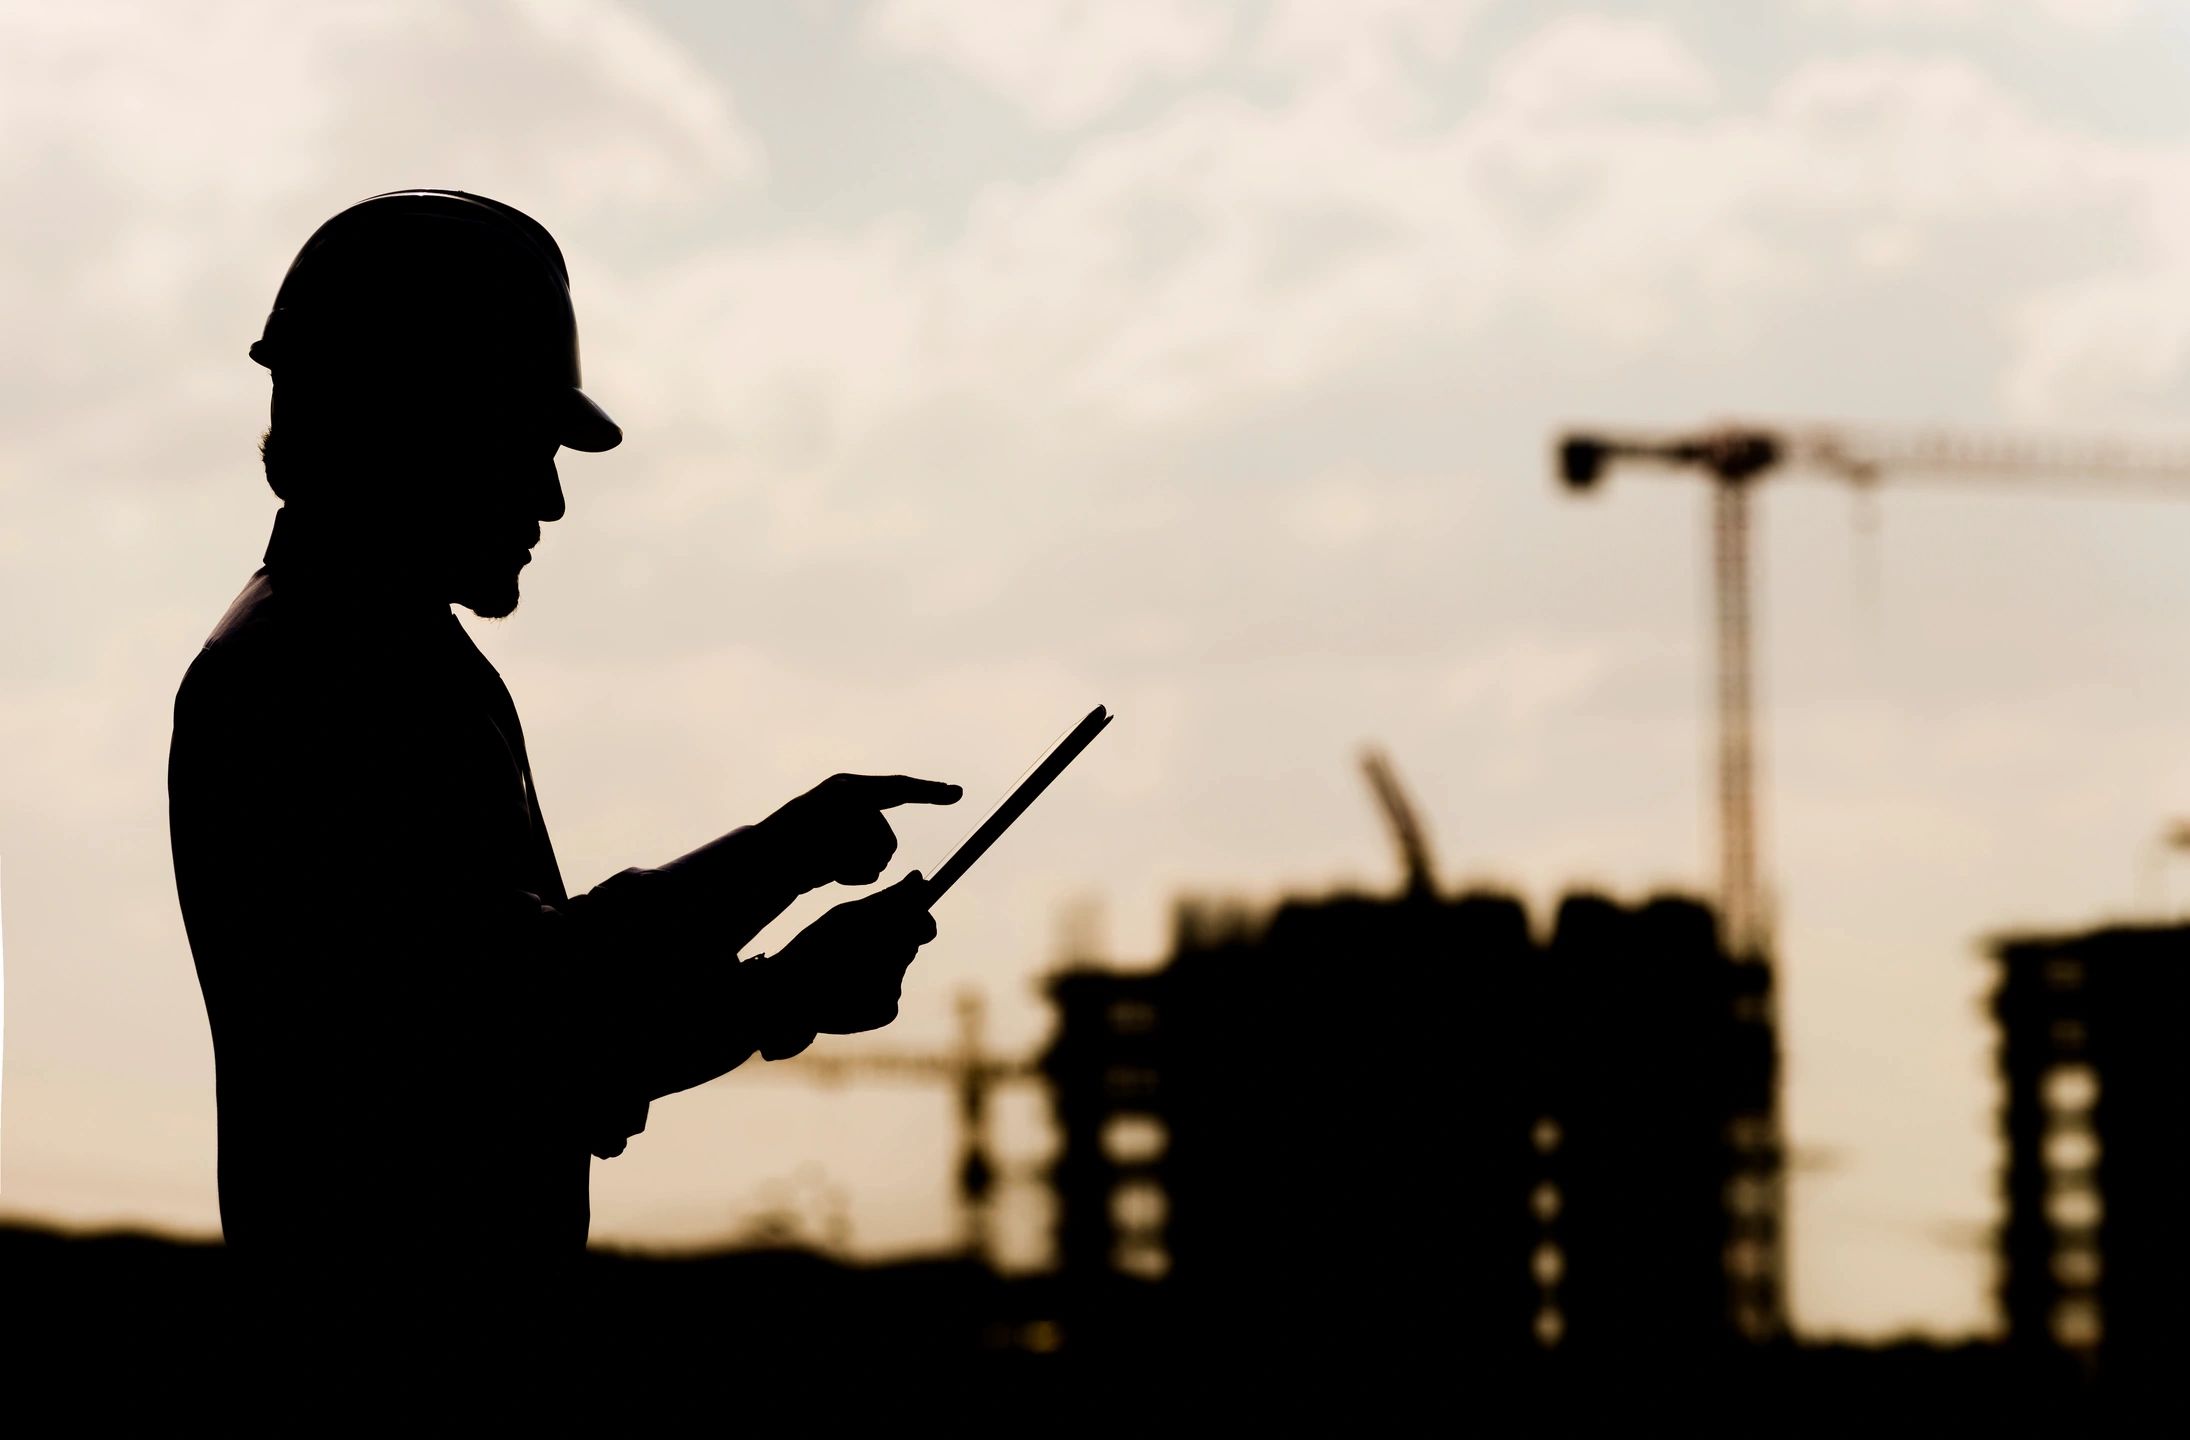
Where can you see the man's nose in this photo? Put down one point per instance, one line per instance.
(548, 502)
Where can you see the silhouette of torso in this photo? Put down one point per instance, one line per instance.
(396, 981)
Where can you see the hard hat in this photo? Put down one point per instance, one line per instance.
(436, 288)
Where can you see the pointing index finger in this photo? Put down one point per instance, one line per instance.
(884, 791)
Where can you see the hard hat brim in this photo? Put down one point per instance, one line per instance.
(585, 425)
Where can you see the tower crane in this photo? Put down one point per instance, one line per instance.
(1735, 458)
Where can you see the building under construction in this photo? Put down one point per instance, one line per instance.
(2095, 1258)
(1362, 1129)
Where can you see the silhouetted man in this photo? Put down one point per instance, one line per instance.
(420, 1038)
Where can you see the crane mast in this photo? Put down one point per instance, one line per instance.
(1741, 906)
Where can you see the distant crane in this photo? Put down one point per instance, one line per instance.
(973, 1075)
(1407, 832)
(1734, 458)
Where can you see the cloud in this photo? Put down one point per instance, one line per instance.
(2090, 14)
(1586, 65)
(1063, 63)
(1372, 53)
(2109, 348)
(1337, 511)
(1229, 250)
(1523, 679)
(1224, 250)
(1929, 139)
(2096, 16)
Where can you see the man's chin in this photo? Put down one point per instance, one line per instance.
(494, 599)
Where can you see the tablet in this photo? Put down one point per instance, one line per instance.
(1048, 768)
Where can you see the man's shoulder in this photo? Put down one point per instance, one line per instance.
(291, 660)
(269, 634)
(251, 642)
(271, 650)
(252, 621)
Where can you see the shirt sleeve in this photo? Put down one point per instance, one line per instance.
(662, 960)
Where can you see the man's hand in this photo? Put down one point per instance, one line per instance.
(845, 972)
(835, 831)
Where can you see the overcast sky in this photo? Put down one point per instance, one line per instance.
(983, 361)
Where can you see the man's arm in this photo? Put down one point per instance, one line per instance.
(731, 887)
(726, 891)
(690, 1009)
(352, 887)
(842, 974)
(401, 931)
(834, 833)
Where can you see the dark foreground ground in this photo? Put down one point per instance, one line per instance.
(124, 1329)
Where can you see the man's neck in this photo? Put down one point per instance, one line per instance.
(333, 558)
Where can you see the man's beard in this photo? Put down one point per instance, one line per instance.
(482, 561)
(491, 595)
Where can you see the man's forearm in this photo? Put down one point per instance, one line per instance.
(719, 1016)
(690, 1010)
(732, 886)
